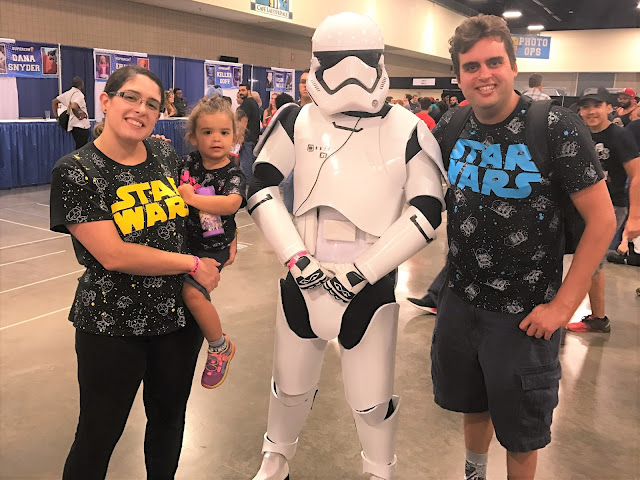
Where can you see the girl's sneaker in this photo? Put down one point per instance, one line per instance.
(217, 367)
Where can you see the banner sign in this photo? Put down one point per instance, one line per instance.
(531, 46)
(223, 74)
(279, 81)
(108, 61)
(275, 8)
(26, 59)
(424, 82)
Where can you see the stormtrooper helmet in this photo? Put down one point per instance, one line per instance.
(347, 71)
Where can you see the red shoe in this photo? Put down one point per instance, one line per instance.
(591, 324)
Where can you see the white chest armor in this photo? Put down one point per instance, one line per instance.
(359, 170)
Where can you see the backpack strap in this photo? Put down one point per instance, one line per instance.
(454, 128)
(536, 126)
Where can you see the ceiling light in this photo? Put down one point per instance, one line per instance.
(535, 27)
(512, 14)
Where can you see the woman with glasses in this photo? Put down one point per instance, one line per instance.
(118, 199)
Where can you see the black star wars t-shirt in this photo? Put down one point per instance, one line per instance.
(504, 220)
(226, 180)
(144, 204)
(615, 146)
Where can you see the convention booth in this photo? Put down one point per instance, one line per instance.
(33, 74)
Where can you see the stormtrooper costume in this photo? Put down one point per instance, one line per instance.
(355, 161)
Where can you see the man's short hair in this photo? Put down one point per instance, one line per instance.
(474, 29)
(244, 85)
(176, 89)
(535, 80)
(408, 96)
(425, 103)
(283, 99)
(77, 82)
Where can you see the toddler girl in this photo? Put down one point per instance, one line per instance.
(214, 188)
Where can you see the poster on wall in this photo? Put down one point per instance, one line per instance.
(279, 80)
(105, 62)
(108, 61)
(274, 8)
(26, 59)
(225, 75)
(531, 46)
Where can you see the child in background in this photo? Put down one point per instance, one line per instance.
(211, 128)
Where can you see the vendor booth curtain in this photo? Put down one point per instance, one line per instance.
(35, 95)
(162, 66)
(190, 79)
(78, 61)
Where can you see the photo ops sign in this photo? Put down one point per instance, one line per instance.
(531, 46)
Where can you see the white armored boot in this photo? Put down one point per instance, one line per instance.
(377, 437)
(287, 414)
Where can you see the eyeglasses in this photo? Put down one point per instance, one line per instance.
(135, 98)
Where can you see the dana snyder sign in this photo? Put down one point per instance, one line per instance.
(275, 8)
(531, 46)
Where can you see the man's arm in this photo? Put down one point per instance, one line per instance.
(632, 229)
(54, 107)
(594, 204)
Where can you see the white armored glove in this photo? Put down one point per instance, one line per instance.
(347, 282)
(306, 271)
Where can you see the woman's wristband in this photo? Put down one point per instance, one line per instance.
(293, 260)
(196, 265)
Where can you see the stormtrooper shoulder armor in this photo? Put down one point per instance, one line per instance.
(276, 144)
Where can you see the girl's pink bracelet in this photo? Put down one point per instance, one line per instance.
(196, 265)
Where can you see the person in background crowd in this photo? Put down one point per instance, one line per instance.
(302, 86)
(618, 154)
(423, 114)
(214, 90)
(453, 102)
(258, 99)
(170, 109)
(496, 339)
(250, 107)
(627, 110)
(271, 109)
(443, 105)
(241, 127)
(414, 105)
(130, 320)
(73, 100)
(534, 92)
(434, 110)
(406, 101)
(180, 102)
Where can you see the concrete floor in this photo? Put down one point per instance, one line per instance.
(596, 429)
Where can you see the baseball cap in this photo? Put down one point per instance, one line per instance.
(214, 90)
(598, 94)
(627, 91)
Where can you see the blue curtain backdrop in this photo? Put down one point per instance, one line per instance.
(78, 61)
(190, 78)
(162, 66)
(35, 95)
(259, 83)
